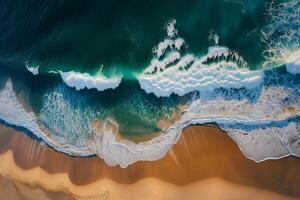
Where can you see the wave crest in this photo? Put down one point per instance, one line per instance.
(84, 80)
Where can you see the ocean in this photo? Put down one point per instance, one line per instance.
(80, 74)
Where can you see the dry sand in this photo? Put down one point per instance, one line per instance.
(14, 190)
(204, 164)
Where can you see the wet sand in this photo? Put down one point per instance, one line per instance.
(204, 159)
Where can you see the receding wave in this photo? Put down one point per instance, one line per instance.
(174, 71)
(84, 80)
(14, 113)
(263, 121)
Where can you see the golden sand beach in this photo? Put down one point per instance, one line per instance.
(204, 164)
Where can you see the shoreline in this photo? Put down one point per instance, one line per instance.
(123, 152)
(201, 154)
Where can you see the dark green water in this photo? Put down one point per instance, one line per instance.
(82, 35)
(120, 35)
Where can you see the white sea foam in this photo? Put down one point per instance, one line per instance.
(281, 35)
(14, 113)
(172, 71)
(270, 135)
(33, 70)
(123, 153)
(170, 27)
(293, 63)
(262, 144)
(68, 116)
(213, 36)
(84, 80)
(199, 78)
(259, 144)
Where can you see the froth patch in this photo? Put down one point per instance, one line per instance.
(293, 63)
(163, 80)
(84, 80)
(281, 34)
(33, 70)
(68, 116)
(170, 27)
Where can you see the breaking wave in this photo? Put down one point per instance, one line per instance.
(172, 70)
(84, 80)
